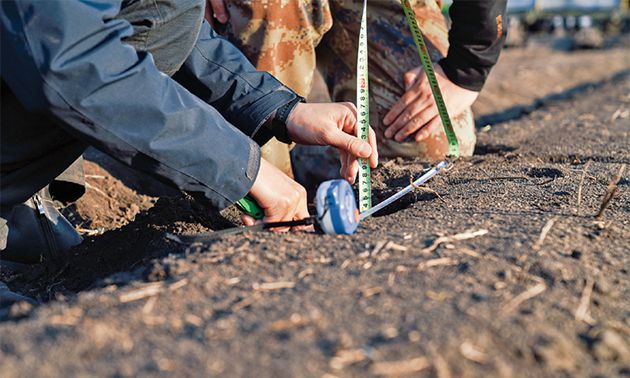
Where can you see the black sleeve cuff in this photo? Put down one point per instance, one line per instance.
(278, 124)
(476, 37)
(471, 78)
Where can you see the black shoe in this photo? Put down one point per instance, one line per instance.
(37, 232)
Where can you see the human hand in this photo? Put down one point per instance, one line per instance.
(333, 124)
(416, 111)
(215, 10)
(278, 195)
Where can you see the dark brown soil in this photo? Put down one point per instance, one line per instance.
(107, 204)
(534, 285)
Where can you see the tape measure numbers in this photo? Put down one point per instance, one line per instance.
(453, 146)
(363, 112)
(363, 107)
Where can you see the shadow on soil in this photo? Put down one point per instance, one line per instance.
(519, 111)
(119, 257)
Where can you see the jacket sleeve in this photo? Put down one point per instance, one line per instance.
(66, 59)
(476, 37)
(217, 72)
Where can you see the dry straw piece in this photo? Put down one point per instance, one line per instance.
(583, 313)
(453, 238)
(543, 233)
(150, 290)
(522, 297)
(610, 191)
(270, 286)
(398, 368)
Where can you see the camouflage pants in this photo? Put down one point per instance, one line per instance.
(292, 38)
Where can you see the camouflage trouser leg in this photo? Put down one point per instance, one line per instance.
(280, 37)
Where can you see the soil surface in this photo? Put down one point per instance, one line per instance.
(501, 268)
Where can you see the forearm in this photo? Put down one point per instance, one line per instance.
(217, 72)
(476, 37)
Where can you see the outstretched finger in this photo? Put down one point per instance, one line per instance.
(373, 144)
(433, 126)
(353, 170)
(349, 143)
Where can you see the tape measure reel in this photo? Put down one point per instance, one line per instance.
(337, 212)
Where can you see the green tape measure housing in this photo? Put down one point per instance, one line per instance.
(250, 207)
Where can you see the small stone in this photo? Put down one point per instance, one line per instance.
(612, 347)
(414, 336)
(390, 332)
(602, 286)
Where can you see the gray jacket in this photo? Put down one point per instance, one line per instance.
(66, 60)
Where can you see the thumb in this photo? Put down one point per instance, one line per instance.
(411, 77)
(350, 144)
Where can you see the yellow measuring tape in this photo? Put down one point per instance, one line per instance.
(363, 103)
(453, 146)
(363, 113)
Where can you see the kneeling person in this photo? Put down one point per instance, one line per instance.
(156, 88)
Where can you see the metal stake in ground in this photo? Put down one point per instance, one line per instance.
(363, 112)
(453, 146)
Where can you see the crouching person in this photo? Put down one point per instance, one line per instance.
(152, 85)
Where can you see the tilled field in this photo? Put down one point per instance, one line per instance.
(500, 269)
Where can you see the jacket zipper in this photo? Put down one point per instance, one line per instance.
(48, 232)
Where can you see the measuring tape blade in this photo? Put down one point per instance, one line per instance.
(421, 180)
(453, 146)
(363, 111)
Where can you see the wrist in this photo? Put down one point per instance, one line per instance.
(258, 182)
(282, 119)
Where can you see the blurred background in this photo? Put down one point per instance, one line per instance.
(586, 22)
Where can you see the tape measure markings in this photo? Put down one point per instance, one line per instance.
(363, 112)
(453, 146)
